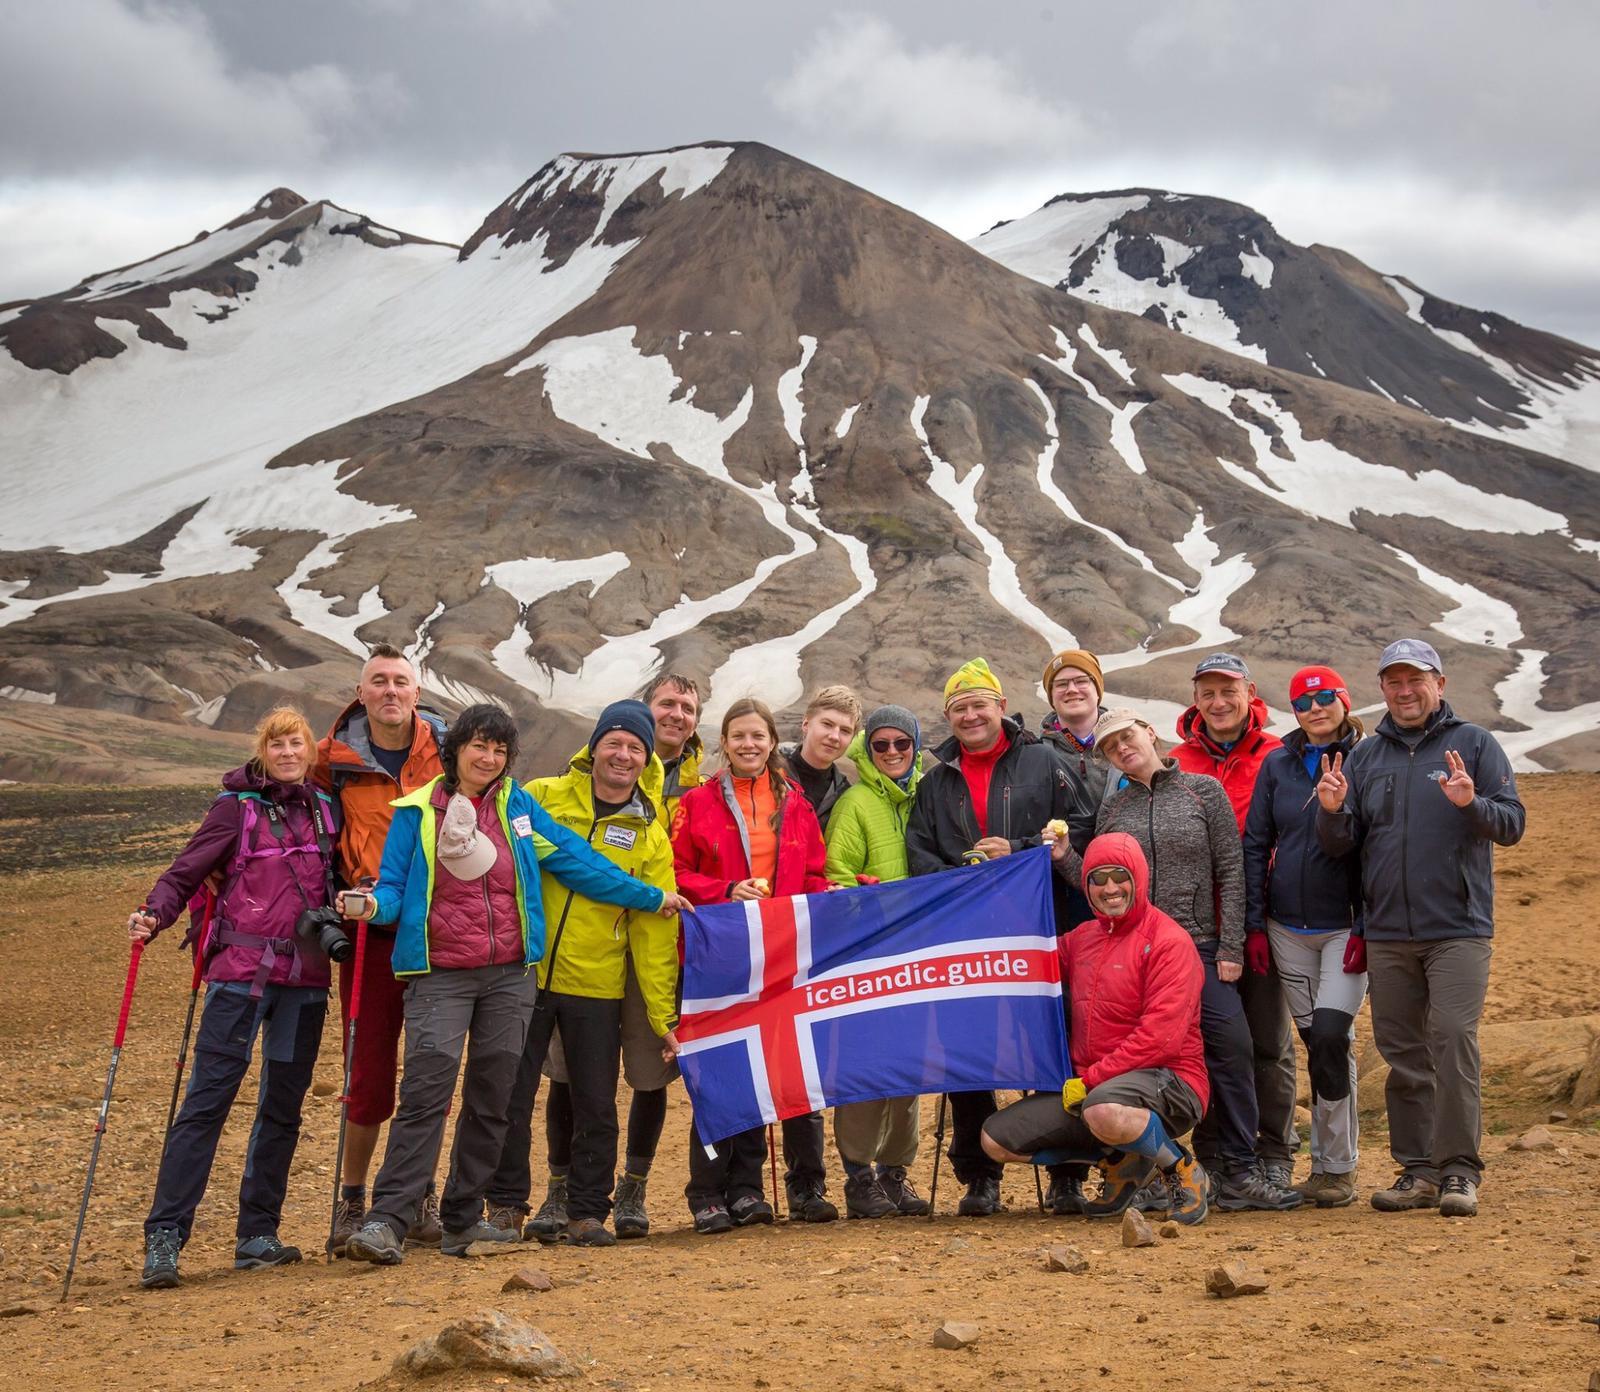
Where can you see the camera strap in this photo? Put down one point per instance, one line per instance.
(279, 825)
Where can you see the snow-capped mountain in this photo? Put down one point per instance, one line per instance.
(714, 408)
(1221, 273)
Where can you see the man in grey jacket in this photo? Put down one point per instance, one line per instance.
(1425, 802)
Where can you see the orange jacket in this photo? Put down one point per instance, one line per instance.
(346, 768)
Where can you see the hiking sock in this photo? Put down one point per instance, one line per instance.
(854, 1169)
(354, 1193)
(637, 1167)
(1154, 1142)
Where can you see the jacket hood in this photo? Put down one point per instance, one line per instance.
(874, 777)
(646, 802)
(349, 741)
(1118, 848)
(1192, 727)
(245, 779)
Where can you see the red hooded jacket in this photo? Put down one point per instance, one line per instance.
(1235, 768)
(1134, 983)
(708, 845)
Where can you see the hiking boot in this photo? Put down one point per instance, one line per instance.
(588, 1232)
(455, 1244)
(1407, 1192)
(982, 1199)
(1252, 1190)
(375, 1241)
(752, 1208)
(713, 1218)
(1278, 1172)
(348, 1215)
(161, 1259)
(905, 1199)
(508, 1216)
(1120, 1183)
(806, 1203)
(1152, 1197)
(864, 1197)
(1065, 1197)
(1458, 1197)
(249, 1253)
(1327, 1190)
(428, 1230)
(551, 1220)
(628, 1215)
(1187, 1192)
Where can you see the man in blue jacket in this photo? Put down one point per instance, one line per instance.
(1425, 802)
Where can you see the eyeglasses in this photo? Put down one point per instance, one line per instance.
(883, 746)
(1111, 874)
(1072, 684)
(1321, 698)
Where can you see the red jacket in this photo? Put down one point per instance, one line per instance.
(1235, 768)
(708, 844)
(1134, 983)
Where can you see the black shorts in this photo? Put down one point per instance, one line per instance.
(1040, 1122)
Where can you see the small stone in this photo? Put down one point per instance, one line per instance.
(490, 1342)
(956, 1246)
(1171, 1229)
(491, 1248)
(528, 1278)
(1558, 1116)
(1536, 1138)
(1582, 1258)
(323, 1088)
(1061, 1257)
(22, 1307)
(1136, 1229)
(1235, 1278)
(1498, 1319)
(955, 1334)
(1594, 1381)
(1141, 1318)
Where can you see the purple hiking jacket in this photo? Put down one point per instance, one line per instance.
(258, 898)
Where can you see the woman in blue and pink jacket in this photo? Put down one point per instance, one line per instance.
(270, 837)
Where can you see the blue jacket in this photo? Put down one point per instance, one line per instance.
(1427, 866)
(405, 883)
(1287, 874)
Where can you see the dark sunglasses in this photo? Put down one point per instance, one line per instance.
(1318, 698)
(883, 746)
(1110, 874)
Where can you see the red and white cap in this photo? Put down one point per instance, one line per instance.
(1311, 679)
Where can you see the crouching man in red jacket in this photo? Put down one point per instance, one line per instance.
(1134, 980)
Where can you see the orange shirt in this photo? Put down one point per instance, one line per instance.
(757, 805)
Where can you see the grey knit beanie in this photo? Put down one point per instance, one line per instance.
(896, 718)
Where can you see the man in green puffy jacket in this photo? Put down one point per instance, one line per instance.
(867, 843)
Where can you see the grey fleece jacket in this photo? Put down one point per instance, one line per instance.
(1185, 825)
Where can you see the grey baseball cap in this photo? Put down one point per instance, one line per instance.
(1227, 663)
(1413, 652)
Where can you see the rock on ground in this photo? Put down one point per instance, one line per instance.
(491, 1342)
(1235, 1278)
(1535, 1138)
(529, 1278)
(955, 1334)
(1136, 1229)
(1062, 1257)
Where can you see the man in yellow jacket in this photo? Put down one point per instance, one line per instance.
(608, 980)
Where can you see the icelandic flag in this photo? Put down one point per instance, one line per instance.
(944, 983)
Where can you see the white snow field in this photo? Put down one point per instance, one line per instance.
(1044, 244)
(1123, 439)
(529, 580)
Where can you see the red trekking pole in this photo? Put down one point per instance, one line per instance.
(188, 1024)
(105, 1107)
(344, 1091)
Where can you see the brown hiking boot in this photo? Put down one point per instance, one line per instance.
(1327, 1190)
(1458, 1197)
(507, 1216)
(1120, 1180)
(1407, 1192)
(428, 1230)
(348, 1215)
(1187, 1192)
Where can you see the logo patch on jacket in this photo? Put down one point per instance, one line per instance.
(620, 837)
(523, 825)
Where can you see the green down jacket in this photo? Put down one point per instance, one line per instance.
(867, 827)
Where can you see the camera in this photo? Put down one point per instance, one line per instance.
(325, 928)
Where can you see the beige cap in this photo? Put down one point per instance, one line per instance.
(464, 850)
(1119, 718)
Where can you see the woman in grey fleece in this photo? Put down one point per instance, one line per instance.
(1185, 825)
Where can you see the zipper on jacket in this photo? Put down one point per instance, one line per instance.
(488, 909)
(1005, 810)
(1405, 838)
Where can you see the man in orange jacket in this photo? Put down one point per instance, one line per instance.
(380, 748)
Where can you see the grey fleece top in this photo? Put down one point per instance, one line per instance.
(1185, 825)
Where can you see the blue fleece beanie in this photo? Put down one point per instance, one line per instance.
(633, 717)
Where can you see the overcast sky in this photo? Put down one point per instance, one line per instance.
(1454, 142)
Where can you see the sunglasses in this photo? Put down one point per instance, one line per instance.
(1314, 698)
(1110, 874)
(883, 746)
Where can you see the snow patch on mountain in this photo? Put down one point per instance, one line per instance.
(1123, 440)
(1477, 618)
(1256, 266)
(682, 172)
(1520, 694)
(962, 496)
(528, 581)
(1043, 245)
(1324, 481)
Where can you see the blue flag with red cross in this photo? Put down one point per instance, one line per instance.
(944, 983)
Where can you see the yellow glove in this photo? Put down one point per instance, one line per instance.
(1073, 1092)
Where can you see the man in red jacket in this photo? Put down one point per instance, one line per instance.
(1134, 980)
(1224, 734)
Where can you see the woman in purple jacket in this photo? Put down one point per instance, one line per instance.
(269, 836)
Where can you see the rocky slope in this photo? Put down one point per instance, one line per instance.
(718, 409)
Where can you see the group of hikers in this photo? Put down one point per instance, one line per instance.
(1211, 900)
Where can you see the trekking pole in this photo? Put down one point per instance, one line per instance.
(188, 1024)
(938, 1154)
(772, 1155)
(1038, 1188)
(344, 1091)
(105, 1107)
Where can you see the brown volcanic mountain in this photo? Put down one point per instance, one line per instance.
(717, 409)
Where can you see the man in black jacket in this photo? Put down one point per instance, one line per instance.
(993, 792)
(1426, 801)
